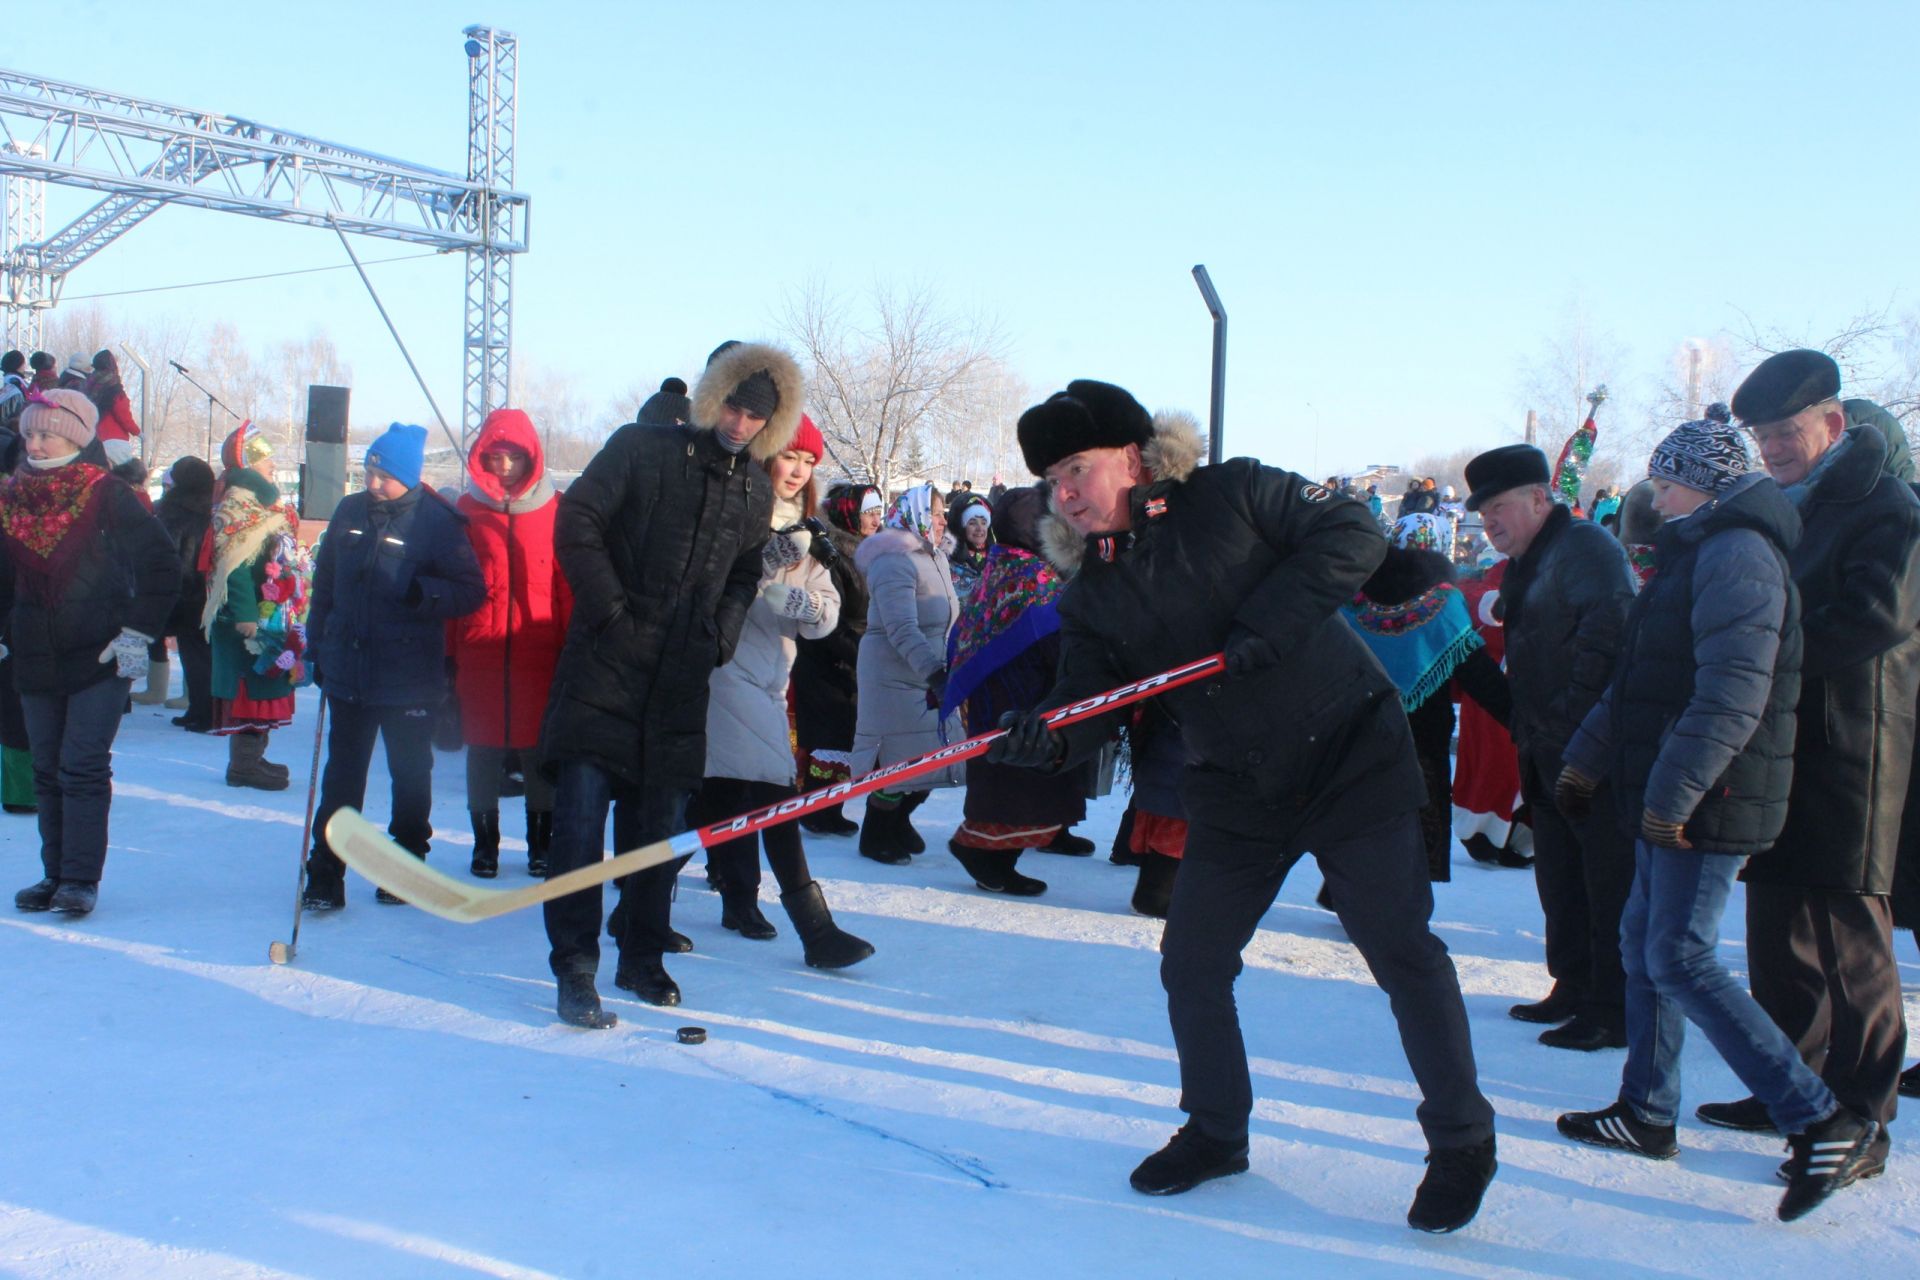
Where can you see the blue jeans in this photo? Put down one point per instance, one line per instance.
(1669, 940)
(72, 737)
(641, 924)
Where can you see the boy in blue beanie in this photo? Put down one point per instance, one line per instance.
(394, 567)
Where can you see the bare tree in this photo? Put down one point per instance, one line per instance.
(1878, 353)
(1574, 359)
(896, 387)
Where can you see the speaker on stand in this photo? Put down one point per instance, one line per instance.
(323, 476)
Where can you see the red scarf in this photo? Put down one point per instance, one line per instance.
(47, 521)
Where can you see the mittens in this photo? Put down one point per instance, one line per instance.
(796, 603)
(785, 549)
(128, 653)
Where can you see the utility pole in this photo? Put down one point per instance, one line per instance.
(1533, 426)
(1693, 380)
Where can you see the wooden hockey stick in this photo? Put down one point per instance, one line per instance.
(369, 851)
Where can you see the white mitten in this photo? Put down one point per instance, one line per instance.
(128, 653)
(796, 603)
(785, 549)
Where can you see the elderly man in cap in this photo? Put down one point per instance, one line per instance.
(1819, 919)
(1302, 746)
(1564, 603)
(660, 539)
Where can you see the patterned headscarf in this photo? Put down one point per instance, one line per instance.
(1421, 531)
(913, 511)
(845, 502)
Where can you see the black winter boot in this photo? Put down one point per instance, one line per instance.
(1560, 1004)
(647, 978)
(539, 839)
(740, 912)
(829, 821)
(1450, 1194)
(1748, 1115)
(1064, 841)
(992, 870)
(37, 897)
(828, 946)
(75, 898)
(579, 1003)
(879, 836)
(1189, 1159)
(1587, 1032)
(1122, 854)
(908, 838)
(1153, 893)
(247, 765)
(486, 842)
(326, 887)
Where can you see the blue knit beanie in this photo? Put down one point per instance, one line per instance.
(400, 452)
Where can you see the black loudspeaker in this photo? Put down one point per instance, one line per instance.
(327, 414)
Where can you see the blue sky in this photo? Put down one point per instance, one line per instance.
(1399, 202)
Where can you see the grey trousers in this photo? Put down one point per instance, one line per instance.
(1378, 881)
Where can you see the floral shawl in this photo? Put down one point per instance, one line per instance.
(251, 526)
(1420, 642)
(1014, 607)
(46, 522)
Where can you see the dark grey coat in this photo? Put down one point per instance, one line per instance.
(1698, 724)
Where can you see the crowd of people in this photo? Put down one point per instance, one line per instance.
(1712, 678)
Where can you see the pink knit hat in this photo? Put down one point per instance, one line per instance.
(67, 414)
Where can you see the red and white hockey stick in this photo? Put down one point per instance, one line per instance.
(369, 851)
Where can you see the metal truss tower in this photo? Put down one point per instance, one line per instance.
(143, 155)
(493, 62)
(23, 221)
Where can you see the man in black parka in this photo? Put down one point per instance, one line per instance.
(1300, 747)
(1564, 604)
(660, 540)
(1819, 917)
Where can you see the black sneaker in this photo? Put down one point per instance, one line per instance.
(1559, 1005)
(1586, 1034)
(1749, 1115)
(647, 978)
(1189, 1159)
(1827, 1157)
(1620, 1128)
(1450, 1194)
(1910, 1082)
(579, 1004)
(37, 897)
(1872, 1166)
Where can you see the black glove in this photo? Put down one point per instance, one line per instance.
(937, 688)
(1248, 653)
(1573, 793)
(1027, 743)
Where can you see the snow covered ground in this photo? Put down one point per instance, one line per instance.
(401, 1102)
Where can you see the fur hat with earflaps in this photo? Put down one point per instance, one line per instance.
(762, 380)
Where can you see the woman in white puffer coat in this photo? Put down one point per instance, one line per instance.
(750, 757)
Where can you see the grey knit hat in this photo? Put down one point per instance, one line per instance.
(1705, 455)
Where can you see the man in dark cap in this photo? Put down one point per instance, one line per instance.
(1564, 606)
(1301, 746)
(667, 407)
(1819, 918)
(660, 539)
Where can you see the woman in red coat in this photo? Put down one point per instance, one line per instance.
(504, 652)
(109, 396)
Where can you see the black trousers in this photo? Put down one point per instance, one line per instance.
(641, 924)
(1380, 890)
(1822, 966)
(1583, 871)
(738, 861)
(196, 674)
(407, 733)
(72, 736)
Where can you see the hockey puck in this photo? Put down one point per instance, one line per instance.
(693, 1035)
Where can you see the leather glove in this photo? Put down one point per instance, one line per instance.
(1573, 793)
(1027, 743)
(1248, 654)
(128, 653)
(785, 549)
(937, 688)
(1659, 831)
(795, 603)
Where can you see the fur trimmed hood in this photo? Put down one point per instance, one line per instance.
(729, 369)
(1173, 454)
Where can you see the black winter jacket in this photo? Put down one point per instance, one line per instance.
(389, 577)
(1858, 570)
(826, 680)
(660, 539)
(1564, 605)
(188, 521)
(1698, 724)
(1311, 750)
(125, 580)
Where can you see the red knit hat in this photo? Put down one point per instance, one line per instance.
(807, 439)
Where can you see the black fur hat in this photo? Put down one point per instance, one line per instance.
(1508, 467)
(1785, 383)
(1087, 415)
